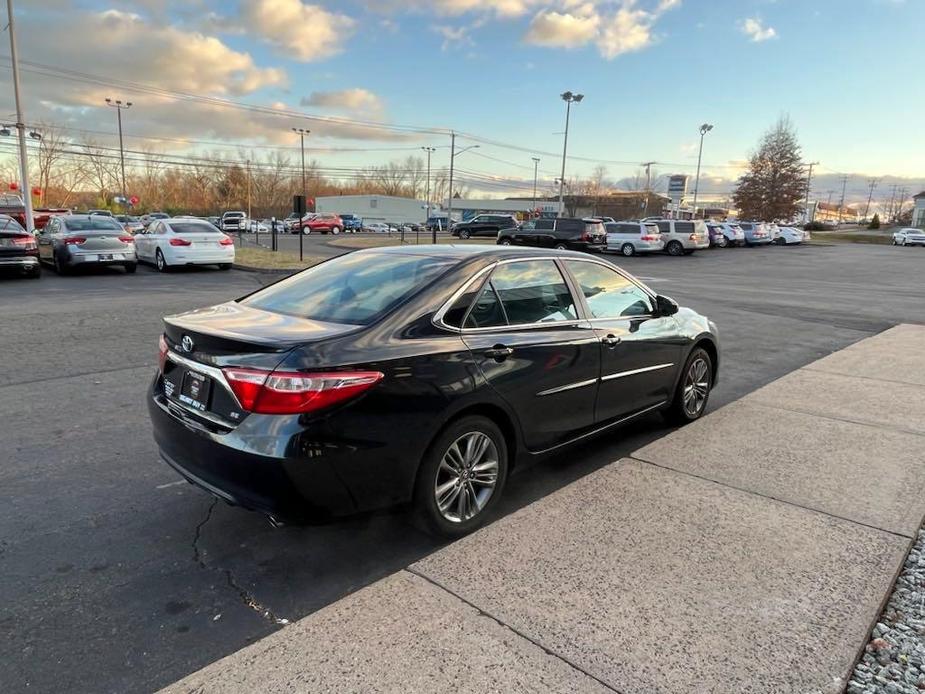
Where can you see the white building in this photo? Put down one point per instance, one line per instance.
(465, 209)
(375, 208)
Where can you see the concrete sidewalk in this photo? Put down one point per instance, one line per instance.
(748, 552)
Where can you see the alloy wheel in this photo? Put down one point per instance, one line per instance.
(466, 477)
(159, 261)
(696, 387)
(627, 249)
(675, 248)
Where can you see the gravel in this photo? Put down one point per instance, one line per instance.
(894, 659)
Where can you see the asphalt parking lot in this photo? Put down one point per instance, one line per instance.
(116, 576)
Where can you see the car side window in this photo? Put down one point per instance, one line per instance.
(608, 293)
(684, 227)
(664, 227)
(533, 291)
(486, 312)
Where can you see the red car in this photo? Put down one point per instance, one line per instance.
(324, 223)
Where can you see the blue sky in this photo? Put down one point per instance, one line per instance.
(845, 71)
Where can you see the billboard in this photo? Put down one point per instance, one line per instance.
(677, 188)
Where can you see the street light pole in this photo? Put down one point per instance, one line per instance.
(302, 133)
(20, 125)
(536, 168)
(449, 213)
(120, 106)
(645, 205)
(429, 150)
(809, 180)
(704, 129)
(568, 98)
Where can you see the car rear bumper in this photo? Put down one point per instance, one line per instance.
(120, 257)
(202, 258)
(26, 262)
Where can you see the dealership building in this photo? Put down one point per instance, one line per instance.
(374, 208)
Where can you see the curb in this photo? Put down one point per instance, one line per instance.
(264, 270)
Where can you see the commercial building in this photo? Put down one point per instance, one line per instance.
(375, 208)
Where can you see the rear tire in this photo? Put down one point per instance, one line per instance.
(60, 268)
(224, 266)
(131, 268)
(674, 248)
(159, 262)
(335, 230)
(628, 250)
(36, 272)
(560, 247)
(306, 230)
(477, 479)
(693, 391)
(723, 242)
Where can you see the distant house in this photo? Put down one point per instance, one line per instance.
(918, 211)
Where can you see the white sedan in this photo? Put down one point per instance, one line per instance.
(787, 236)
(172, 242)
(378, 228)
(909, 237)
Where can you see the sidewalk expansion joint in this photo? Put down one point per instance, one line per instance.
(772, 498)
(517, 632)
(63, 377)
(846, 420)
(809, 367)
(243, 594)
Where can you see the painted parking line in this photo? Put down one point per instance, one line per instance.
(170, 484)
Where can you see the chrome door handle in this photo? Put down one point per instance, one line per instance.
(499, 352)
(612, 340)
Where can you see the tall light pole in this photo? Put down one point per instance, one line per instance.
(302, 133)
(844, 189)
(536, 168)
(453, 153)
(568, 98)
(429, 150)
(645, 205)
(872, 183)
(120, 106)
(20, 125)
(704, 129)
(809, 180)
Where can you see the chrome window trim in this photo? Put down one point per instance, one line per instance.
(570, 386)
(633, 372)
(441, 312)
(213, 372)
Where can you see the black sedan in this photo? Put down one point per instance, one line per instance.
(424, 375)
(19, 251)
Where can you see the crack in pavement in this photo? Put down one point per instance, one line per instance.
(244, 595)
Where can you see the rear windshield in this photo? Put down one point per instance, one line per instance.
(356, 289)
(96, 221)
(193, 228)
(10, 224)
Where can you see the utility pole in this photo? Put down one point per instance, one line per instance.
(20, 125)
(900, 202)
(809, 179)
(889, 214)
(429, 150)
(645, 205)
(568, 98)
(449, 205)
(120, 106)
(536, 168)
(872, 183)
(302, 133)
(704, 129)
(251, 219)
(844, 188)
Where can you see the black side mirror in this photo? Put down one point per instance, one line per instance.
(665, 306)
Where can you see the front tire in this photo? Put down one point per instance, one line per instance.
(464, 234)
(306, 230)
(461, 478)
(504, 242)
(675, 248)
(335, 230)
(693, 391)
(628, 250)
(723, 242)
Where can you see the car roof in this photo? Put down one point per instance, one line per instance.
(462, 252)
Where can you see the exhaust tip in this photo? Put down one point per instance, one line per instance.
(275, 522)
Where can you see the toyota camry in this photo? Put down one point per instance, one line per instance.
(422, 375)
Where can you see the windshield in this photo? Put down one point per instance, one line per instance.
(10, 224)
(96, 221)
(193, 228)
(355, 289)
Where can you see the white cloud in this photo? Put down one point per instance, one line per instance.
(615, 27)
(303, 31)
(455, 8)
(756, 31)
(562, 29)
(453, 36)
(356, 99)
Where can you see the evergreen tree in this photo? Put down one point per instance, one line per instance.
(875, 222)
(775, 183)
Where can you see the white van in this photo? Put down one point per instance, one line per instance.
(683, 237)
(630, 238)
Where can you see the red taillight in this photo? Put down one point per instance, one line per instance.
(180, 242)
(693, 237)
(226, 242)
(284, 392)
(127, 239)
(586, 236)
(75, 240)
(649, 237)
(161, 353)
(26, 242)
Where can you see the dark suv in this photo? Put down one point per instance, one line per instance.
(566, 232)
(485, 225)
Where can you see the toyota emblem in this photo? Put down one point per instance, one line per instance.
(187, 343)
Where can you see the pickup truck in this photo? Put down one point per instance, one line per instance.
(13, 205)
